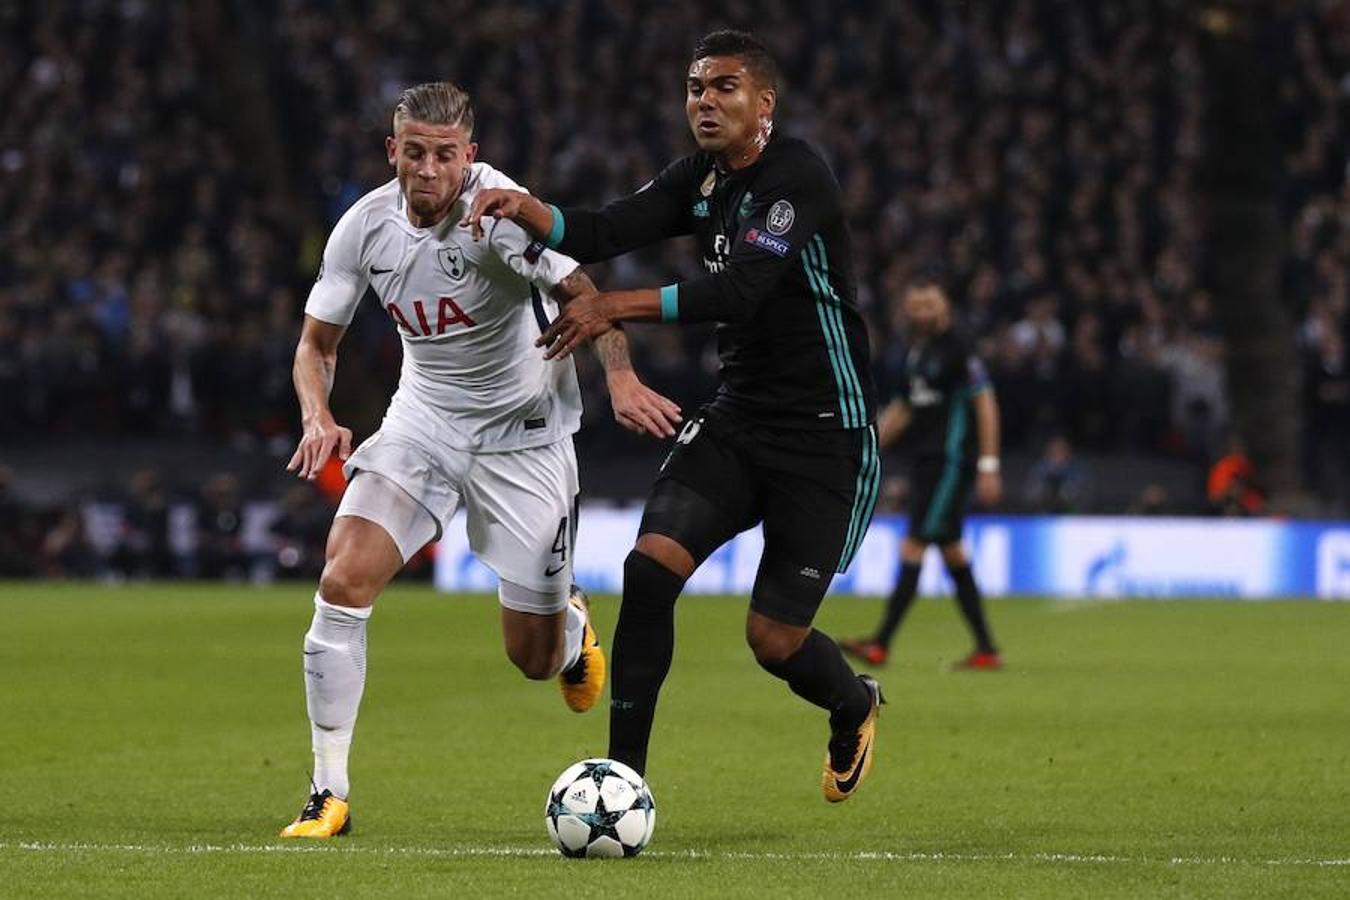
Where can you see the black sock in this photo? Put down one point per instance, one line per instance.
(898, 604)
(644, 642)
(818, 674)
(972, 607)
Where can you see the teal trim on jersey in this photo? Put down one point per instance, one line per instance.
(821, 293)
(852, 385)
(830, 349)
(865, 491)
(670, 303)
(555, 234)
(852, 406)
(951, 472)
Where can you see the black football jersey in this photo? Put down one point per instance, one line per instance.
(942, 375)
(779, 279)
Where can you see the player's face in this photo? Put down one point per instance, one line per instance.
(431, 161)
(926, 310)
(726, 107)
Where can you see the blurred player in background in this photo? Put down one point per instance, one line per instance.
(789, 439)
(479, 419)
(946, 389)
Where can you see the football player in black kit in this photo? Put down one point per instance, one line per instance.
(946, 392)
(788, 441)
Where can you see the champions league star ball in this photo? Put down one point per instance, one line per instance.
(600, 808)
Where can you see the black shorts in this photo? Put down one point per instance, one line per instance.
(814, 492)
(938, 491)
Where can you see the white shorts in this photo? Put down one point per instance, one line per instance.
(521, 504)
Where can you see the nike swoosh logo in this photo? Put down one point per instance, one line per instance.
(375, 271)
(549, 573)
(847, 785)
(312, 652)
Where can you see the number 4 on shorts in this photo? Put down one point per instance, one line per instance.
(559, 549)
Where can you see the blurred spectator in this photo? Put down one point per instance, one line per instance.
(1088, 390)
(1153, 500)
(20, 533)
(1326, 388)
(220, 522)
(66, 551)
(1199, 402)
(1233, 488)
(1057, 483)
(143, 550)
(300, 531)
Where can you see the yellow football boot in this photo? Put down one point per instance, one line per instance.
(849, 757)
(583, 682)
(324, 816)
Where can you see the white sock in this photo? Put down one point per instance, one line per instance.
(574, 629)
(335, 677)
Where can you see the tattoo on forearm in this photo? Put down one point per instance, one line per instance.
(611, 348)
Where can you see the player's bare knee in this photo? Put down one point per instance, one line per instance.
(954, 555)
(667, 552)
(912, 550)
(341, 586)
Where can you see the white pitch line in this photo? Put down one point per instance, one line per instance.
(519, 852)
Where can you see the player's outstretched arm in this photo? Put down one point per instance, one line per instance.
(527, 211)
(315, 365)
(636, 406)
(589, 316)
(655, 212)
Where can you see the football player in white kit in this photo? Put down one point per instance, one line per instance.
(480, 418)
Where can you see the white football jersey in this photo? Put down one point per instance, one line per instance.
(468, 313)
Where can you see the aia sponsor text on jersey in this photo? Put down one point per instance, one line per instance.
(448, 314)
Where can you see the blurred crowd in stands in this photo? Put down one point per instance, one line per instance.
(154, 527)
(169, 172)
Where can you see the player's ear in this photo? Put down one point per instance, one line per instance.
(471, 152)
(768, 100)
(391, 150)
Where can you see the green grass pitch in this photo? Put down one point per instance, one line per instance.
(153, 740)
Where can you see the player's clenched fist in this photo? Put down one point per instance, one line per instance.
(321, 440)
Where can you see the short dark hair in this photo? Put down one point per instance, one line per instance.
(758, 60)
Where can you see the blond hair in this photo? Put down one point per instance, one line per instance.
(436, 103)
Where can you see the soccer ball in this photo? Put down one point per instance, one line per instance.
(600, 808)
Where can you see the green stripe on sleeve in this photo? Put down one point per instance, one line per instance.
(850, 373)
(555, 234)
(670, 303)
(827, 332)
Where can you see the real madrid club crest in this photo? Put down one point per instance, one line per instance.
(706, 188)
(451, 258)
